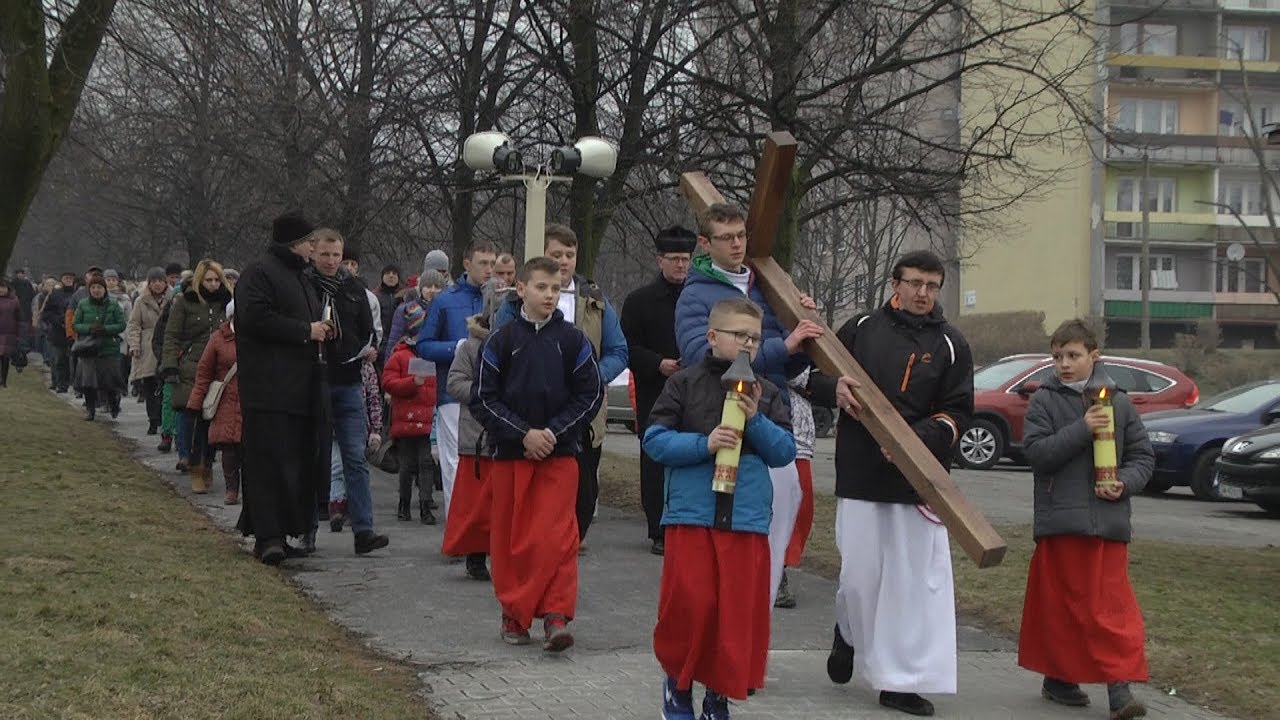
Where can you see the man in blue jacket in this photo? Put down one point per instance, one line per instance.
(721, 274)
(584, 306)
(442, 331)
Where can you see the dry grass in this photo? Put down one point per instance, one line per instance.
(118, 600)
(1213, 630)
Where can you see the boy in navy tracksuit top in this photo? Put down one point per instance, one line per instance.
(713, 607)
(537, 389)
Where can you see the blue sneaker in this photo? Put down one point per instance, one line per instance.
(714, 706)
(676, 704)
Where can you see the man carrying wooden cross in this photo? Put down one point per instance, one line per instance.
(895, 605)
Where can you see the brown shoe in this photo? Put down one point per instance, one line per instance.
(199, 480)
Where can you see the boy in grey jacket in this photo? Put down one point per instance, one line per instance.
(1080, 621)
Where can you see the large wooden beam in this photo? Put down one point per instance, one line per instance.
(966, 524)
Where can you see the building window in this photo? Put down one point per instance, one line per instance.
(1147, 116)
(1149, 39)
(1247, 43)
(1161, 194)
(1245, 276)
(1164, 275)
(1243, 196)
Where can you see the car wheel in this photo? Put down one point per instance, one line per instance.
(1203, 482)
(981, 446)
(1157, 487)
(1271, 507)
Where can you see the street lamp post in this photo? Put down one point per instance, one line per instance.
(492, 150)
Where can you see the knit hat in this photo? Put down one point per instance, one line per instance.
(96, 280)
(231, 273)
(172, 268)
(290, 229)
(675, 239)
(436, 278)
(111, 274)
(436, 260)
(414, 316)
(156, 273)
(390, 267)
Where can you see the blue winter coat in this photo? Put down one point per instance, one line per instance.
(705, 287)
(445, 325)
(686, 412)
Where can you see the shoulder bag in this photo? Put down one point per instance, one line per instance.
(214, 395)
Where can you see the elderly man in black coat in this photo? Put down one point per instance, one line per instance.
(278, 324)
(649, 322)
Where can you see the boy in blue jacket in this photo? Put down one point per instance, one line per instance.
(537, 389)
(714, 602)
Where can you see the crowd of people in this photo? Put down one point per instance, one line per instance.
(490, 388)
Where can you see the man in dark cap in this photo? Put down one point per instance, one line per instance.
(649, 322)
(278, 324)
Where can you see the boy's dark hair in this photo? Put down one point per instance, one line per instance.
(349, 252)
(562, 234)
(1074, 331)
(921, 260)
(480, 246)
(721, 212)
(539, 264)
(735, 306)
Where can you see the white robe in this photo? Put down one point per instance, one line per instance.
(786, 506)
(447, 418)
(896, 603)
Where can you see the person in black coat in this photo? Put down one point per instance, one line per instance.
(649, 322)
(278, 324)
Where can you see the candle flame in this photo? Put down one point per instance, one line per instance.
(1102, 394)
(741, 386)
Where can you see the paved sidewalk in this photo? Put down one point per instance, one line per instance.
(410, 602)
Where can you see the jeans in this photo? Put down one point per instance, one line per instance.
(337, 480)
(351, 435)
(193, 437)
(60, 366)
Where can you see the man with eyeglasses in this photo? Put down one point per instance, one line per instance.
(895, 604)
(649, 322)
(722, 273)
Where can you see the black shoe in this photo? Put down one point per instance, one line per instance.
(402, 512)
(425, 514)
(1063, 693)
(476, 568)
(368, 541)
(166, 443)
(90, 413)
(909, 703)
(309, 543)
(61, 391)
(273, 552)
(840, 661)
(153, 428)
(115, 411)
(658, 548)
(1123, 705)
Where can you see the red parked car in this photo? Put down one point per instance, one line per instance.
(1003, 389)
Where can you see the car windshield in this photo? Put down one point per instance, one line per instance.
(1242, 399)
(993, 376)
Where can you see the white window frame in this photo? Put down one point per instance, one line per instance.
(1162, 190)
(1249, 274)
(1246, 42)
(1166, 111)
(1164, 271)
(1248, 200)
(1149, 39)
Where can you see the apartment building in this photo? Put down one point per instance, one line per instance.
(1184, 82)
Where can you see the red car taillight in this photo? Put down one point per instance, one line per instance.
(1194, 397)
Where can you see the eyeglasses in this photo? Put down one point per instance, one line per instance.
(729, 237)
(742, 336)
(678, 259)
(916, 284)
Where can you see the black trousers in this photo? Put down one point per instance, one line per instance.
(652, 498)
(280, 482)
(60, 371)
(588, 487)
(415, 463)
(153, 393)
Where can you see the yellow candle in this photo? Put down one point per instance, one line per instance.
(1104, 445)
(726, 475)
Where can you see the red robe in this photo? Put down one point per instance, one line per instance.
(804, 517)
(713, 609)
(1081, 622)
(466, 530)
(533, 537)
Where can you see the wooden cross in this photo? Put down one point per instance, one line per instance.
(773, 177)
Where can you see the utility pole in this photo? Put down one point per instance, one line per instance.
(1144, 271)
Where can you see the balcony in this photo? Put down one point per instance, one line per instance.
(1250, 6)
(1186, 150)
(1204, 63)
(1168, 234)
(1175, 5)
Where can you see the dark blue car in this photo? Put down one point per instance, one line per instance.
(1188, 442)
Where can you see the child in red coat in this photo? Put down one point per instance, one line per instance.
(413, 403)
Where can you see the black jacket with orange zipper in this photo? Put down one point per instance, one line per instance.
(924, 367)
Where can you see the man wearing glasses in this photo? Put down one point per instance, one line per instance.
(722, 273)
(649, 322)
(895, 604)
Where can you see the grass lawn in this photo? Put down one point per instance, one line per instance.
(118, 600)
(1213, 614)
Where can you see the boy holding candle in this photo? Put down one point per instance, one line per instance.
(713, 607)
(1081, 622)
(537, 389)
